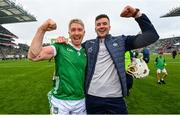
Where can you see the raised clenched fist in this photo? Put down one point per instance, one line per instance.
(128, 11)
(48, 25)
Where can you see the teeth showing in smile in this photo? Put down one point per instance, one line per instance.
(102, 30)
(77, 38)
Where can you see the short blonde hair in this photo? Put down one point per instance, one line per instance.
(79, 21)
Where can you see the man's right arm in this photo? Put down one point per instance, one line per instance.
(44, 54)
(36, 51)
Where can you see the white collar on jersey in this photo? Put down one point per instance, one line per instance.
(78, 49)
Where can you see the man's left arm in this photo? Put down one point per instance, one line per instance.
(148, 35)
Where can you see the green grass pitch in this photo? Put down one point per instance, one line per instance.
(24, 86)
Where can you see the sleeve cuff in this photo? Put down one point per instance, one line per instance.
(139, 14)
(54, 50)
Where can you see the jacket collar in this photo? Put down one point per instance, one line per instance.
(107, 37)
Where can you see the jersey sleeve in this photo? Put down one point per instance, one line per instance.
(55, 47)
(54, 50)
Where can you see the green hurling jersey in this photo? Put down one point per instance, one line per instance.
(160, 62)
(70, 65)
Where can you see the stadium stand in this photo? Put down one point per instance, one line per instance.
(10, 12)
(172, 13)
(173, 43)
(168, 44)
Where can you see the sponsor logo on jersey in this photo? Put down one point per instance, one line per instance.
(70, 50)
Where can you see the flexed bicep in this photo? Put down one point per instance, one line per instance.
(45, 54)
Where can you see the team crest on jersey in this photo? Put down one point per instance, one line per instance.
(78, 53)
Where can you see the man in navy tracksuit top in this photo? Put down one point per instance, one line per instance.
(106, 79)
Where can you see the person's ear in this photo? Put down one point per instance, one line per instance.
(95, 29)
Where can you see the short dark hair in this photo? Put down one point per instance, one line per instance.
(101, 16)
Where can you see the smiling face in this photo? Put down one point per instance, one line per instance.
(102, 27)
(76, 32)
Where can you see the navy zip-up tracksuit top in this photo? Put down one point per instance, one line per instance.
(116, 47)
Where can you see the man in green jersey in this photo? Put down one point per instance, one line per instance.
(160, 65)
(67, 97)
